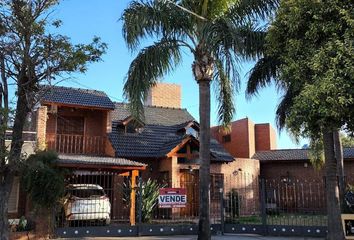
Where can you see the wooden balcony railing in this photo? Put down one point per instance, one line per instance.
(76, 144)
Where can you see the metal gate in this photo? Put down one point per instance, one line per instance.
(240, 203)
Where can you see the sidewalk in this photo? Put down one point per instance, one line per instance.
(225, 237)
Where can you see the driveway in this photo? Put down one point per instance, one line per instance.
(225, 237)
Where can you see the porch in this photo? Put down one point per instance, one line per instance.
(76, 144)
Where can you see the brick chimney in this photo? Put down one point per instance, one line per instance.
(41, 127)
(164, 95)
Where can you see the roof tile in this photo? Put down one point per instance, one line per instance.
(76, 96)
(159, 136)
(293, 154)
(96, 160)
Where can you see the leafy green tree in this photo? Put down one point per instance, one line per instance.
(29, 56)
(309, 53)
(347, 141)
(218, 34)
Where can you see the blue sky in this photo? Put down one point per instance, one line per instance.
(83, 19)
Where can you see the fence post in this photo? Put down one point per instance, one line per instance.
(263, 206)
(140, 202)
(222, 214)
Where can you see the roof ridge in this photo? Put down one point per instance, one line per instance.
(293, 149)
(284, 149)
(152, 106)
(73, 88)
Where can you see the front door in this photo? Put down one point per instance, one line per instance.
(190, 181)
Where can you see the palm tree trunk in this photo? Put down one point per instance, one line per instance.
(335, 230)
(340, 166)
(204, 155)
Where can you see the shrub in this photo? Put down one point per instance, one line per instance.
(43, 180)
(149, 197)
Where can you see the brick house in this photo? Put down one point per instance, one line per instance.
(258, 141)
(75, 123)
(291, 182)
(93, 135)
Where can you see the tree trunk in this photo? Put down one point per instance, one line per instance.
(335, 230)
(5, 190)
(204, 156)
(340, 166)
(22, 109)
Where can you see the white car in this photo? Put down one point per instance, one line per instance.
(87, 202)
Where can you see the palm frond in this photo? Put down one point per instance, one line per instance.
(251, 9)
(151, 64)
(283, 108)
(153, 18)
(229, 45)
(261, 75)
(225, 90)
(223, 39)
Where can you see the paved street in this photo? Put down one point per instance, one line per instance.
(225, 237)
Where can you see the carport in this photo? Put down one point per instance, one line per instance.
(117, 176)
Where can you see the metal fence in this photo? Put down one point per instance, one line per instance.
(94, 198)
(100, 204)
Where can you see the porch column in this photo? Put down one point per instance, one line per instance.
(41, 127)
(134, 174)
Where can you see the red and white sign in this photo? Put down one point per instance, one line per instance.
(172, 198)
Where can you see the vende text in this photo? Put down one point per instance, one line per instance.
(173, 199)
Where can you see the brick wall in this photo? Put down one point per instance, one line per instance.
(164, 95)
(299, 170)
(241, 176)
(265, 137)
(242, 142)
(41, 127)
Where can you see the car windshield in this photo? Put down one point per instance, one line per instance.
(86, 193)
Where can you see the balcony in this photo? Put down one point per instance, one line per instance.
(76, 144)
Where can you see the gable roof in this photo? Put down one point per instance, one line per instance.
(159, 135)
(76, 96)
(293, 154)
(154, 115)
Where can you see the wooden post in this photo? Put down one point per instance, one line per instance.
(133, 175)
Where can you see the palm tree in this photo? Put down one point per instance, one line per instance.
(218, 33)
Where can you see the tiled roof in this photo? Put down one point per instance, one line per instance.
(293, 154)
(159, 136)
(218, 151)
(154, 115)
(83, 159)
(76, 96)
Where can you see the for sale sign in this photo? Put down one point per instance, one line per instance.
(172, 198)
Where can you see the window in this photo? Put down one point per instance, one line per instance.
(133, 127)
(226, 138)
(193, 132)
(70, 125)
